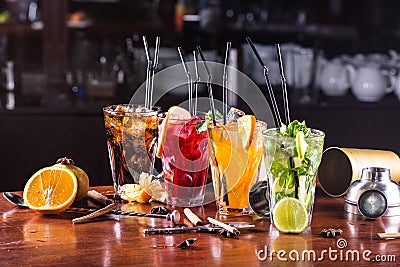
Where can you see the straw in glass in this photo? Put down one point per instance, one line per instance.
(155, 63)
(211, 97)
(269, 86)
(196, 81)
(225, 84)
(151, 66)
(190, 81)
(283, 82)
(209, 86)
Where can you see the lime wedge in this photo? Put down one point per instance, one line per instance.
(301, 145)
(290, 215)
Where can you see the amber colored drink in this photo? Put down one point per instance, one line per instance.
(234, 168)
(131, 134)
(185, 160)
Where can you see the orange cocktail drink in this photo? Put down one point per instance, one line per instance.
(235, 159)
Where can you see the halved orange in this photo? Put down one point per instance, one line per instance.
(174, 113)
(246, 128)
(51, 190)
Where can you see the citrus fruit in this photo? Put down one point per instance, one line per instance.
(290, 215)
(51, 190)
(246, 128)
(135, 192)
(301, 145)
(81, 176)
(174, 113)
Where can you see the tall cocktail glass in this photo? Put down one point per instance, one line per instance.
(234, 167)
(131, 133)
(291, 165)
(185, 161)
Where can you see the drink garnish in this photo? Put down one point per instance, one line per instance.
(294, 127)
(246, 127)
(290, 215)
(208, 118)
(149, 188)
(289, 173)
(301, 145)
(174, 113)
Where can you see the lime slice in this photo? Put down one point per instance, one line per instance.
(290, 215)
(246, 127)
(301, 145)
(174, 113)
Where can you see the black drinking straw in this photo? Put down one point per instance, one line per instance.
(210, 94)
(283, 82)
(189, 77)
(269, 86)
(225, 84)
(287, 116)
(209, 87)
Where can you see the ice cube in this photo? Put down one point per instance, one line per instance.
(142, 109)
(234, 114)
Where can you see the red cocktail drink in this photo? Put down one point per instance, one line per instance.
(185, 160)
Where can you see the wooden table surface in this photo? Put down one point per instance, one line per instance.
(28, 238)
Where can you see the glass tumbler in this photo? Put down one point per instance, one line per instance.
(131, 134)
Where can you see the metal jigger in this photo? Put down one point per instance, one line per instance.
(259, 198)
(374, 195)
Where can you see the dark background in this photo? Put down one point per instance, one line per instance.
(54, 116)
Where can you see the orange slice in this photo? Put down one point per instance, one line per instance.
(246, 128)
(51, 190)
(174, 113)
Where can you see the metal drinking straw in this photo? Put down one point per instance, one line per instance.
(209, 87)
(225, 84)
(189, 77)
(283, 82)
(269, 86)
(196, 81)
(151, 66)
(155, 63)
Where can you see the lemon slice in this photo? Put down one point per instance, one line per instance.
(174, 113)
(301, 145)
(290, 215)
(246, 128)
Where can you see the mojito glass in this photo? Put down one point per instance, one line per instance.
(185, 162)
(234, 168)
(131, 134)
(291, 165)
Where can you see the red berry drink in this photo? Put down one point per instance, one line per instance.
(185, 160)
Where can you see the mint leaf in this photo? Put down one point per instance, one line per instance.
(201, 127)
(294, 127)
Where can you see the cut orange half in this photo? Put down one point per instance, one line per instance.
(246, 128)
(51, 190)
(174, 113)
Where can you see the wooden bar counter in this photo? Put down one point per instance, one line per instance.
(30, 239)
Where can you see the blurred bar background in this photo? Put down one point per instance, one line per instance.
(62, 61)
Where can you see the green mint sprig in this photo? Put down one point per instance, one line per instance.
(201, 127)
(294, 127)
